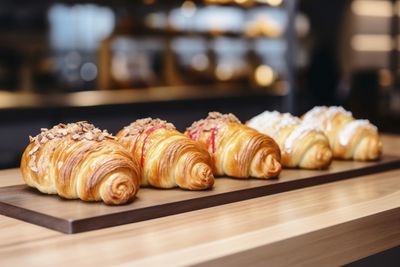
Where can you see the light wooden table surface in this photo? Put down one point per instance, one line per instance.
(330, 224)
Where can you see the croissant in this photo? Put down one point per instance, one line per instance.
(79, 161)
(236, 149)
(349, 138)
(167, 157)
(301, 145)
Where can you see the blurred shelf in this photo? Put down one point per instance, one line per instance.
(18, 40)
(154, 3)
(22, 100)
(168, 3)
(149, 32)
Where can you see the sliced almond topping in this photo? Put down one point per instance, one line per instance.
(88, 136)
(34, 149)
(76, 131)
(141, 125)
(34, 169)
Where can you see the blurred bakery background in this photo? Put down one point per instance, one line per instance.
(111, 62)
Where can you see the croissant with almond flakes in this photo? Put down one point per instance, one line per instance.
(236, 150)
(79, 161)
(167, 157)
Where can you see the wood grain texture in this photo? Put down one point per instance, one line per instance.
(208, 234)
(74, 216)
(325, 225)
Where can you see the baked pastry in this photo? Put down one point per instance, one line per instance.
(301, 145)
(349, 138)
(77, 160)
(236, 150)
(167, 157)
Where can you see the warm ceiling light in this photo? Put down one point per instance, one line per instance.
(200, 62)
(271, 2)
(224, 71)
(188, 9)
(264, 75)
(372, 8)
(240, 2)
(372, 42)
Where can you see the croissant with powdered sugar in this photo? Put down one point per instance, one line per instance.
(302, 145)
(349, 138)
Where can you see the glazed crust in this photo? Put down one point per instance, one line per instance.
(349, 138)
(78, 161)
(167, 157)
(301, 145)
(236, 149)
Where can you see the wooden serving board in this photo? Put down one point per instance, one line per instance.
(74, 216)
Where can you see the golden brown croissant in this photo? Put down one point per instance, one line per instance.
(167, 157)
(77, 160)
(349, 138)
(236, 149)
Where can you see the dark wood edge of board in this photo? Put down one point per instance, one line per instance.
(147, 213)
(45, 220)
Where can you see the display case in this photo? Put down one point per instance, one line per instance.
(113, 62)
(64, 47)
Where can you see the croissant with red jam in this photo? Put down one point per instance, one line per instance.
(167, 157)
(236, 150)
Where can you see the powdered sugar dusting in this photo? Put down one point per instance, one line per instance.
(270, 122)
(350, 128)
(299, 132)
(317, 116)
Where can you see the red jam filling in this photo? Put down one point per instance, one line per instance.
(214, 132)
(195, 135)
(211, 142)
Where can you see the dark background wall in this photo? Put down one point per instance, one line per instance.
(17, 124)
